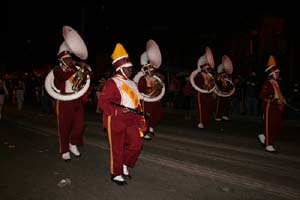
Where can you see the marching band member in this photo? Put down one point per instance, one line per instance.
(273, 106)
(202, 80)
(224, 78)
(120, 103)
(70, 113)
(151, 83)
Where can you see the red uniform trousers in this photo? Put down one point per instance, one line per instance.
(223, 106)
(70, 119)
(156, 113)
(124, 140)
(205, 107)
(273, 117)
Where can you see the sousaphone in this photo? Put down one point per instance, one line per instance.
(205, 63)
(151, 60)
(80, 82)
(224, 85)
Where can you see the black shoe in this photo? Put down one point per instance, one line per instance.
(118, 182)
(147, 137)
(152, 133)
(127, 177)
(274, 152)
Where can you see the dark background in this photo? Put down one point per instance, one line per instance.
(32, 32)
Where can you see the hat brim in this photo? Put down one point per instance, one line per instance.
(124, 65)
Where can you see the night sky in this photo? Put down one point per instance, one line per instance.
(32, 33)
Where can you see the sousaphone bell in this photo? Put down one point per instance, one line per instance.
(80, 82)
(224, 85)
(151, 60)
(205, 63)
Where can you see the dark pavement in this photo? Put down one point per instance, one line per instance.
(224, 161)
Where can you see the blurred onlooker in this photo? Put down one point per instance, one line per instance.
(98, 89)
(37, 91)
(20, 92)
(237, 97)
(174, 87)
(294, 100)
(187, 92)
(251, 94)
(3, 93)
(46, 101)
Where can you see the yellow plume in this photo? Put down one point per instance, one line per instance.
(271, 61)
(119, 52)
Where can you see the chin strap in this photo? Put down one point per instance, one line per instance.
(121, 69)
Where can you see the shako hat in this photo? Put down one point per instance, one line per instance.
(120, 57)
(271, 66)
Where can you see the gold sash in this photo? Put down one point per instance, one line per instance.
(277, 91)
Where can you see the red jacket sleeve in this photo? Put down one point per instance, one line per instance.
(266, 92)
(62, 75)
(110, 93)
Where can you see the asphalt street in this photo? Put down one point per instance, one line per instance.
(224, 161)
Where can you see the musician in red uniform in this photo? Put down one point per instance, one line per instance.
(118, 99)
(150, 84)
(70, 113)
(154, 108)
(273, 106)
(223, 108)
(224, 89)
(204, 84)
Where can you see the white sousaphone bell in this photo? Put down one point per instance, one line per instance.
(224, 85)
(204, 62)
(150, 60)
(79, 84)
